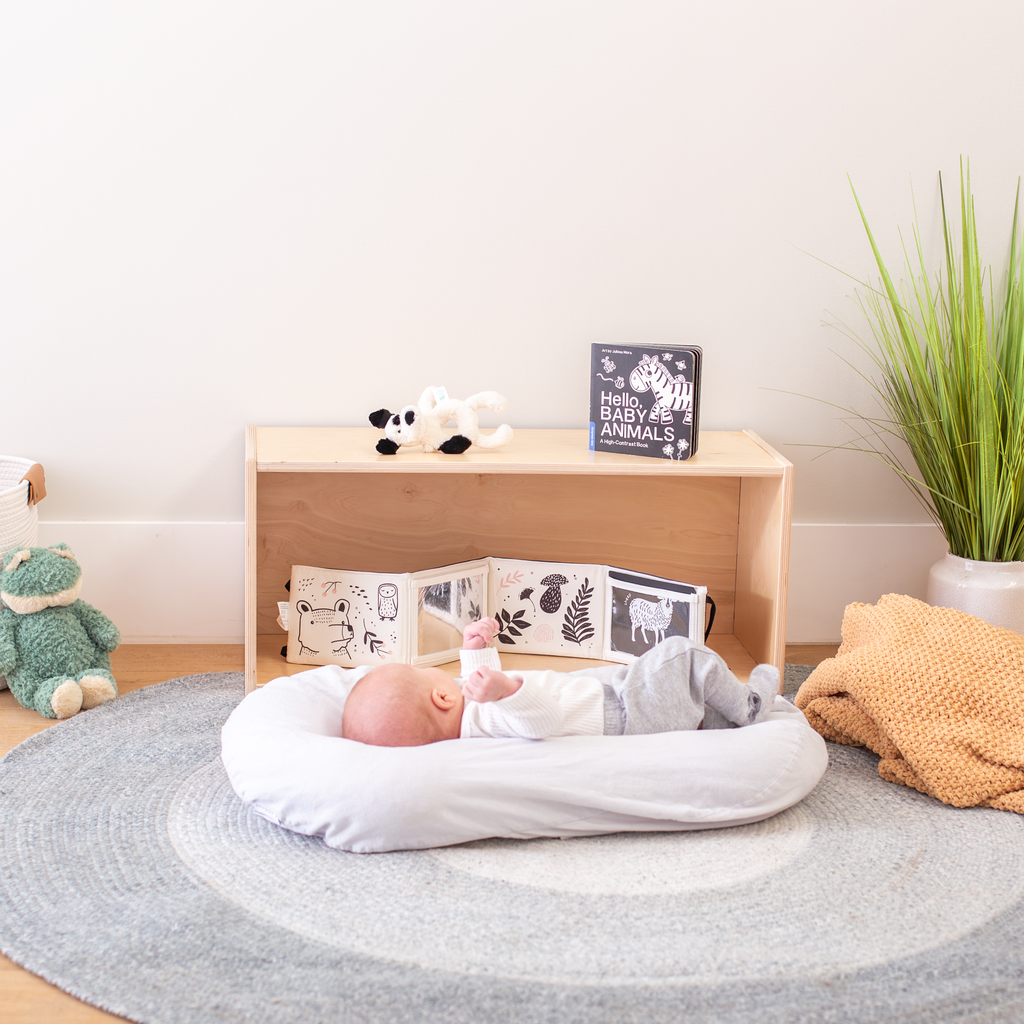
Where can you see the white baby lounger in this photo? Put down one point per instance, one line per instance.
(283, 754)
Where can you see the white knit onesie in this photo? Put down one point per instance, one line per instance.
(677, 685)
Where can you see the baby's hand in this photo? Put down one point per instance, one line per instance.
(477, 635)
(485, 685)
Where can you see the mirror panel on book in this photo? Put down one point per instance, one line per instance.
(444, 609)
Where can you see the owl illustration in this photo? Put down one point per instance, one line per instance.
(387, 601)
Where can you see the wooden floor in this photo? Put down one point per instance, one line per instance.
(809, 654)
(26, 999)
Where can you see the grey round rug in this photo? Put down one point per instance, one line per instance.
(133, 878)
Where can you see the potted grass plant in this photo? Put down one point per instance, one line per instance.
(949, 351)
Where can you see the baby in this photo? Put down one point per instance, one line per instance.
(677, 685)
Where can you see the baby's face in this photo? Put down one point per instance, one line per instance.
(403, 706)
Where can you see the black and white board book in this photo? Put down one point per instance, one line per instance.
(568, 609)
(645, 401)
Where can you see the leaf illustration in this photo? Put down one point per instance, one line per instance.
(576, 626)
(509, 580)
(511, 624)
(375, 645)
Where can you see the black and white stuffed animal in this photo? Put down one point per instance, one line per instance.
(422, 424)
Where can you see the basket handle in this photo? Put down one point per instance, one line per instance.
(36, 484)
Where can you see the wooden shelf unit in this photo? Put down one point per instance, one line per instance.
(323, 496)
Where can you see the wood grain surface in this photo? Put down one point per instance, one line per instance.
(682, 528)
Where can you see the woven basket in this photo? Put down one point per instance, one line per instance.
(19, 521)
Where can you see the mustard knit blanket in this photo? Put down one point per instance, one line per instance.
(936, 693)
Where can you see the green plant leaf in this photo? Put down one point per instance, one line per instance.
(950, 383)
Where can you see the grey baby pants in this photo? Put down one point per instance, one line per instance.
(678, 685)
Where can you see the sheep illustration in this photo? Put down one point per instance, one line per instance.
(650, 615)
(320, 628)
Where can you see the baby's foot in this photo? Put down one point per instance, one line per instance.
(764, 685)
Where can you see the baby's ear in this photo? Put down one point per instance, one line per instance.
(442, 699)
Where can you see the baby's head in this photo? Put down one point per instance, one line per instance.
(402, 706)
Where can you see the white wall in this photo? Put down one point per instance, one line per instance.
(219, 213)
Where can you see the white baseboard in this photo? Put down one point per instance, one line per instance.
(184, 582)
(832, 565)
(162, 583)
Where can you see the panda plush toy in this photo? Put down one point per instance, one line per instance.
(422, 424)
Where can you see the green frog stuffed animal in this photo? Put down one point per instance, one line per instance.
(54, 648)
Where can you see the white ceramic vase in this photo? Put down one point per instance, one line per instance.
(994, 591)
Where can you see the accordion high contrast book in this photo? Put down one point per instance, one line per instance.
(340, 617)
(645, 401)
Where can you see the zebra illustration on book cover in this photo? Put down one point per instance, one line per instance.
(645, 401)
(670, 393)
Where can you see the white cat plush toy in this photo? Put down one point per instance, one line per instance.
(422, 424)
